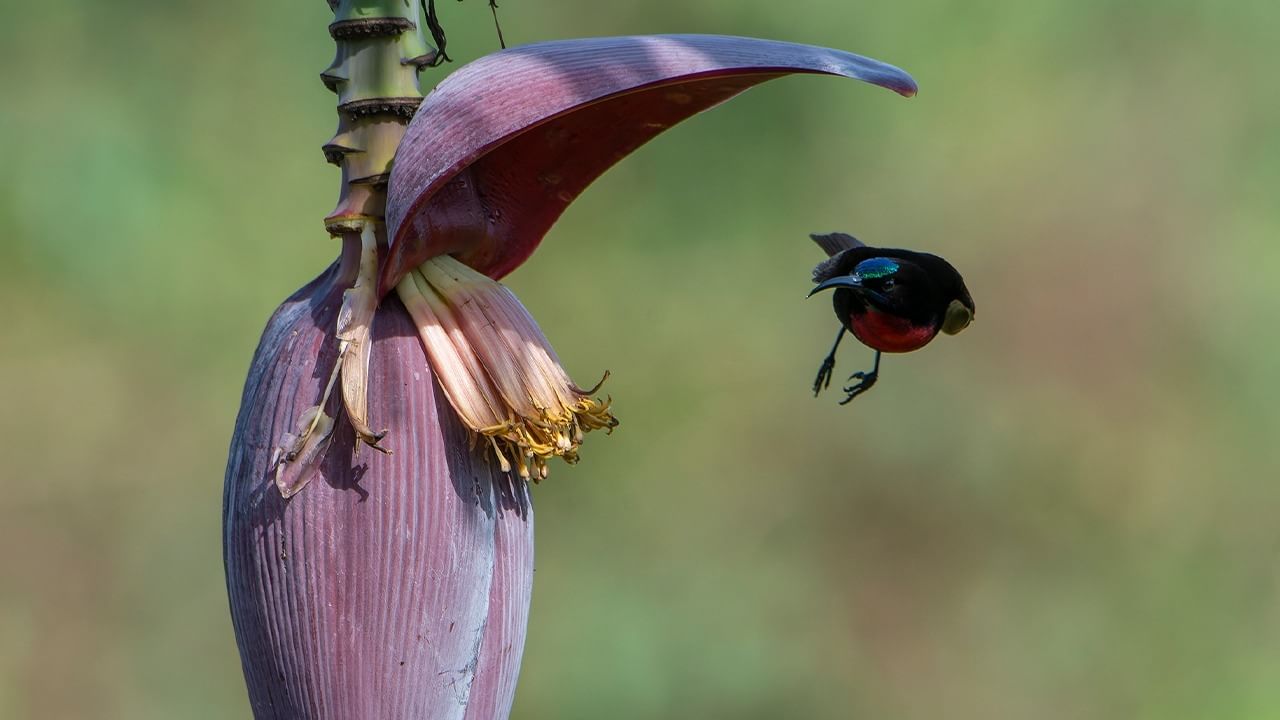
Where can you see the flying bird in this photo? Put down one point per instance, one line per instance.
(892, 300)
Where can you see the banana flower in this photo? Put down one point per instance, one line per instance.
(378, 526)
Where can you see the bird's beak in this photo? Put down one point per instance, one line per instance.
(854, 283)
(957, 318)
(848, 281)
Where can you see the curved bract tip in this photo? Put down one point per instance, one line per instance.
(502, 146)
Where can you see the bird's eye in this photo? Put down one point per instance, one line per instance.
(887, 284)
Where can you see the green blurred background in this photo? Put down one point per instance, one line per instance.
(1069, 511)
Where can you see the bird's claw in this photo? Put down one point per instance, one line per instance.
(865, 381)
(824, 375)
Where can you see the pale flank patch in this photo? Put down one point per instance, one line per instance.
(958, 318)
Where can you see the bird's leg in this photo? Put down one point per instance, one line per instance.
(828, 366)
(865, 381)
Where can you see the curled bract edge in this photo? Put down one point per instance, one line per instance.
(504, 144)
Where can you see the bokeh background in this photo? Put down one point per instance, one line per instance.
(1069, 511)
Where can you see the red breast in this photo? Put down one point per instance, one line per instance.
(889, 333)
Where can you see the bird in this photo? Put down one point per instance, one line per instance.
(891, 300)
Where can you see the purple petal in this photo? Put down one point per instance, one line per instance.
(379, 589)
(503, 145)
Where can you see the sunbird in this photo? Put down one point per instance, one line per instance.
(892, 300)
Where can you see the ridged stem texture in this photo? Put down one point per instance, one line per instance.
(380, 51)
